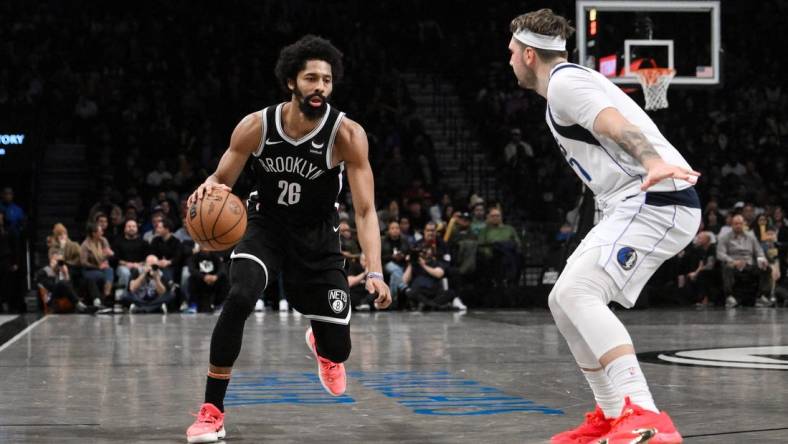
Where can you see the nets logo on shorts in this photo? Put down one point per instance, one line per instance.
(627, 256)
(337, 299)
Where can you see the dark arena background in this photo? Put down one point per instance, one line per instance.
(112, 114)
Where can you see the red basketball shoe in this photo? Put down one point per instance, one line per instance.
(208, 427)
(332, 374)
(594, 427)
(638, 425)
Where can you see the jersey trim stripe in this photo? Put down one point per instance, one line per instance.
(330, 147)
(341, 170)
(574, 132)
(263, 114)
(566, 65)
(307, 137)
(330, 319)
(580, 134)
(687, 197)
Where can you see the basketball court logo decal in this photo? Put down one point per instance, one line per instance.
(627, 256)
(772, 357)
(337, 299)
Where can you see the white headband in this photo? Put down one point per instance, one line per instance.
(541, 41)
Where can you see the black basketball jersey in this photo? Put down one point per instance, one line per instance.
(294, 178)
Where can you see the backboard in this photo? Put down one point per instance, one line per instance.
(617, 37)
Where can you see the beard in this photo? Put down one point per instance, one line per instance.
(529, 78)
(310, 111)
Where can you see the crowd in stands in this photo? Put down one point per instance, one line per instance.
(12, 254)
(155, 121)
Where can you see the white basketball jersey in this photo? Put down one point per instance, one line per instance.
(575, 96)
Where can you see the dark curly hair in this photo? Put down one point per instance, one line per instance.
(293, 58)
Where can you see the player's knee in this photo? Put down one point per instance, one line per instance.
(552, 301)
(248, 282)
(560, 299)
(240, 300)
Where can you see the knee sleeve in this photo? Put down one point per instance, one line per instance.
(248, 282)
(333, 340)
(579, 305)
(577, 345)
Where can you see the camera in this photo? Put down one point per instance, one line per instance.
(61, 263)
(414, 253)
(154, 267)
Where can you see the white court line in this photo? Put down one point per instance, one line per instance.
(19, 335)
(7, 318)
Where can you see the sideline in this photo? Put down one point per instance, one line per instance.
(21, 333)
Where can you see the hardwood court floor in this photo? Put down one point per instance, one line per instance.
(481, 377)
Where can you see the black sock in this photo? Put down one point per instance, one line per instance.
(215, 390)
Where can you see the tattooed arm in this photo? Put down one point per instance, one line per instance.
(610, 123)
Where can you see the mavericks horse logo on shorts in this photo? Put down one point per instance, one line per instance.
(627, 256)
(337, 299)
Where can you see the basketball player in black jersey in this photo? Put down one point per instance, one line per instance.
(300, 150)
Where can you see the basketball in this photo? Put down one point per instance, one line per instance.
(218, 221)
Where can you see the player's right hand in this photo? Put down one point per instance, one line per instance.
(661, 170)
(206, 188)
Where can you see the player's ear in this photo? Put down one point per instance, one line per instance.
(529, 56)
(291, 85)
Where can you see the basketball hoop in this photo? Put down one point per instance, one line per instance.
(655, 82)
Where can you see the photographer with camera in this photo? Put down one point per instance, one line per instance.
(393, 248)
(422, 278)
(55, 287)
(147, 292)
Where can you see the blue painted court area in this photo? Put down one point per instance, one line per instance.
(425, 393)
(441, 393)
(279, 388)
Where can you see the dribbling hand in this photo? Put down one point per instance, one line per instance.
(379, 287)
(206, 188)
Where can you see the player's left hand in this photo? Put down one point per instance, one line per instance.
(379, 287)
(661, 171)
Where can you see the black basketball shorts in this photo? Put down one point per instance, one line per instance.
(308, 260)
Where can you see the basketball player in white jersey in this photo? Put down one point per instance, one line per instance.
(644, 188)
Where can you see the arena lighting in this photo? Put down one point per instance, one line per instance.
(607, 65)
(12, 139)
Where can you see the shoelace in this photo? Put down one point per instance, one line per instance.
(328, 365)
(628, 413)
(593, 418)
(204, 416)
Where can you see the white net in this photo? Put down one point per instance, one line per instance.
(655, 83)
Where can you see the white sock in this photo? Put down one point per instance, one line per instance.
(605, 393)
(626, 376)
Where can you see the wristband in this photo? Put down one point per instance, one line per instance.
(374, 275)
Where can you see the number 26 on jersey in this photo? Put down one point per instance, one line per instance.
(291, 193)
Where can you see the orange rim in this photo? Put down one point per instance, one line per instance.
(651, 75)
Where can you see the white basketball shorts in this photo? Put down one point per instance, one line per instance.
(638, 235)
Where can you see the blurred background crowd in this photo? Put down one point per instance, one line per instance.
(476, 205)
